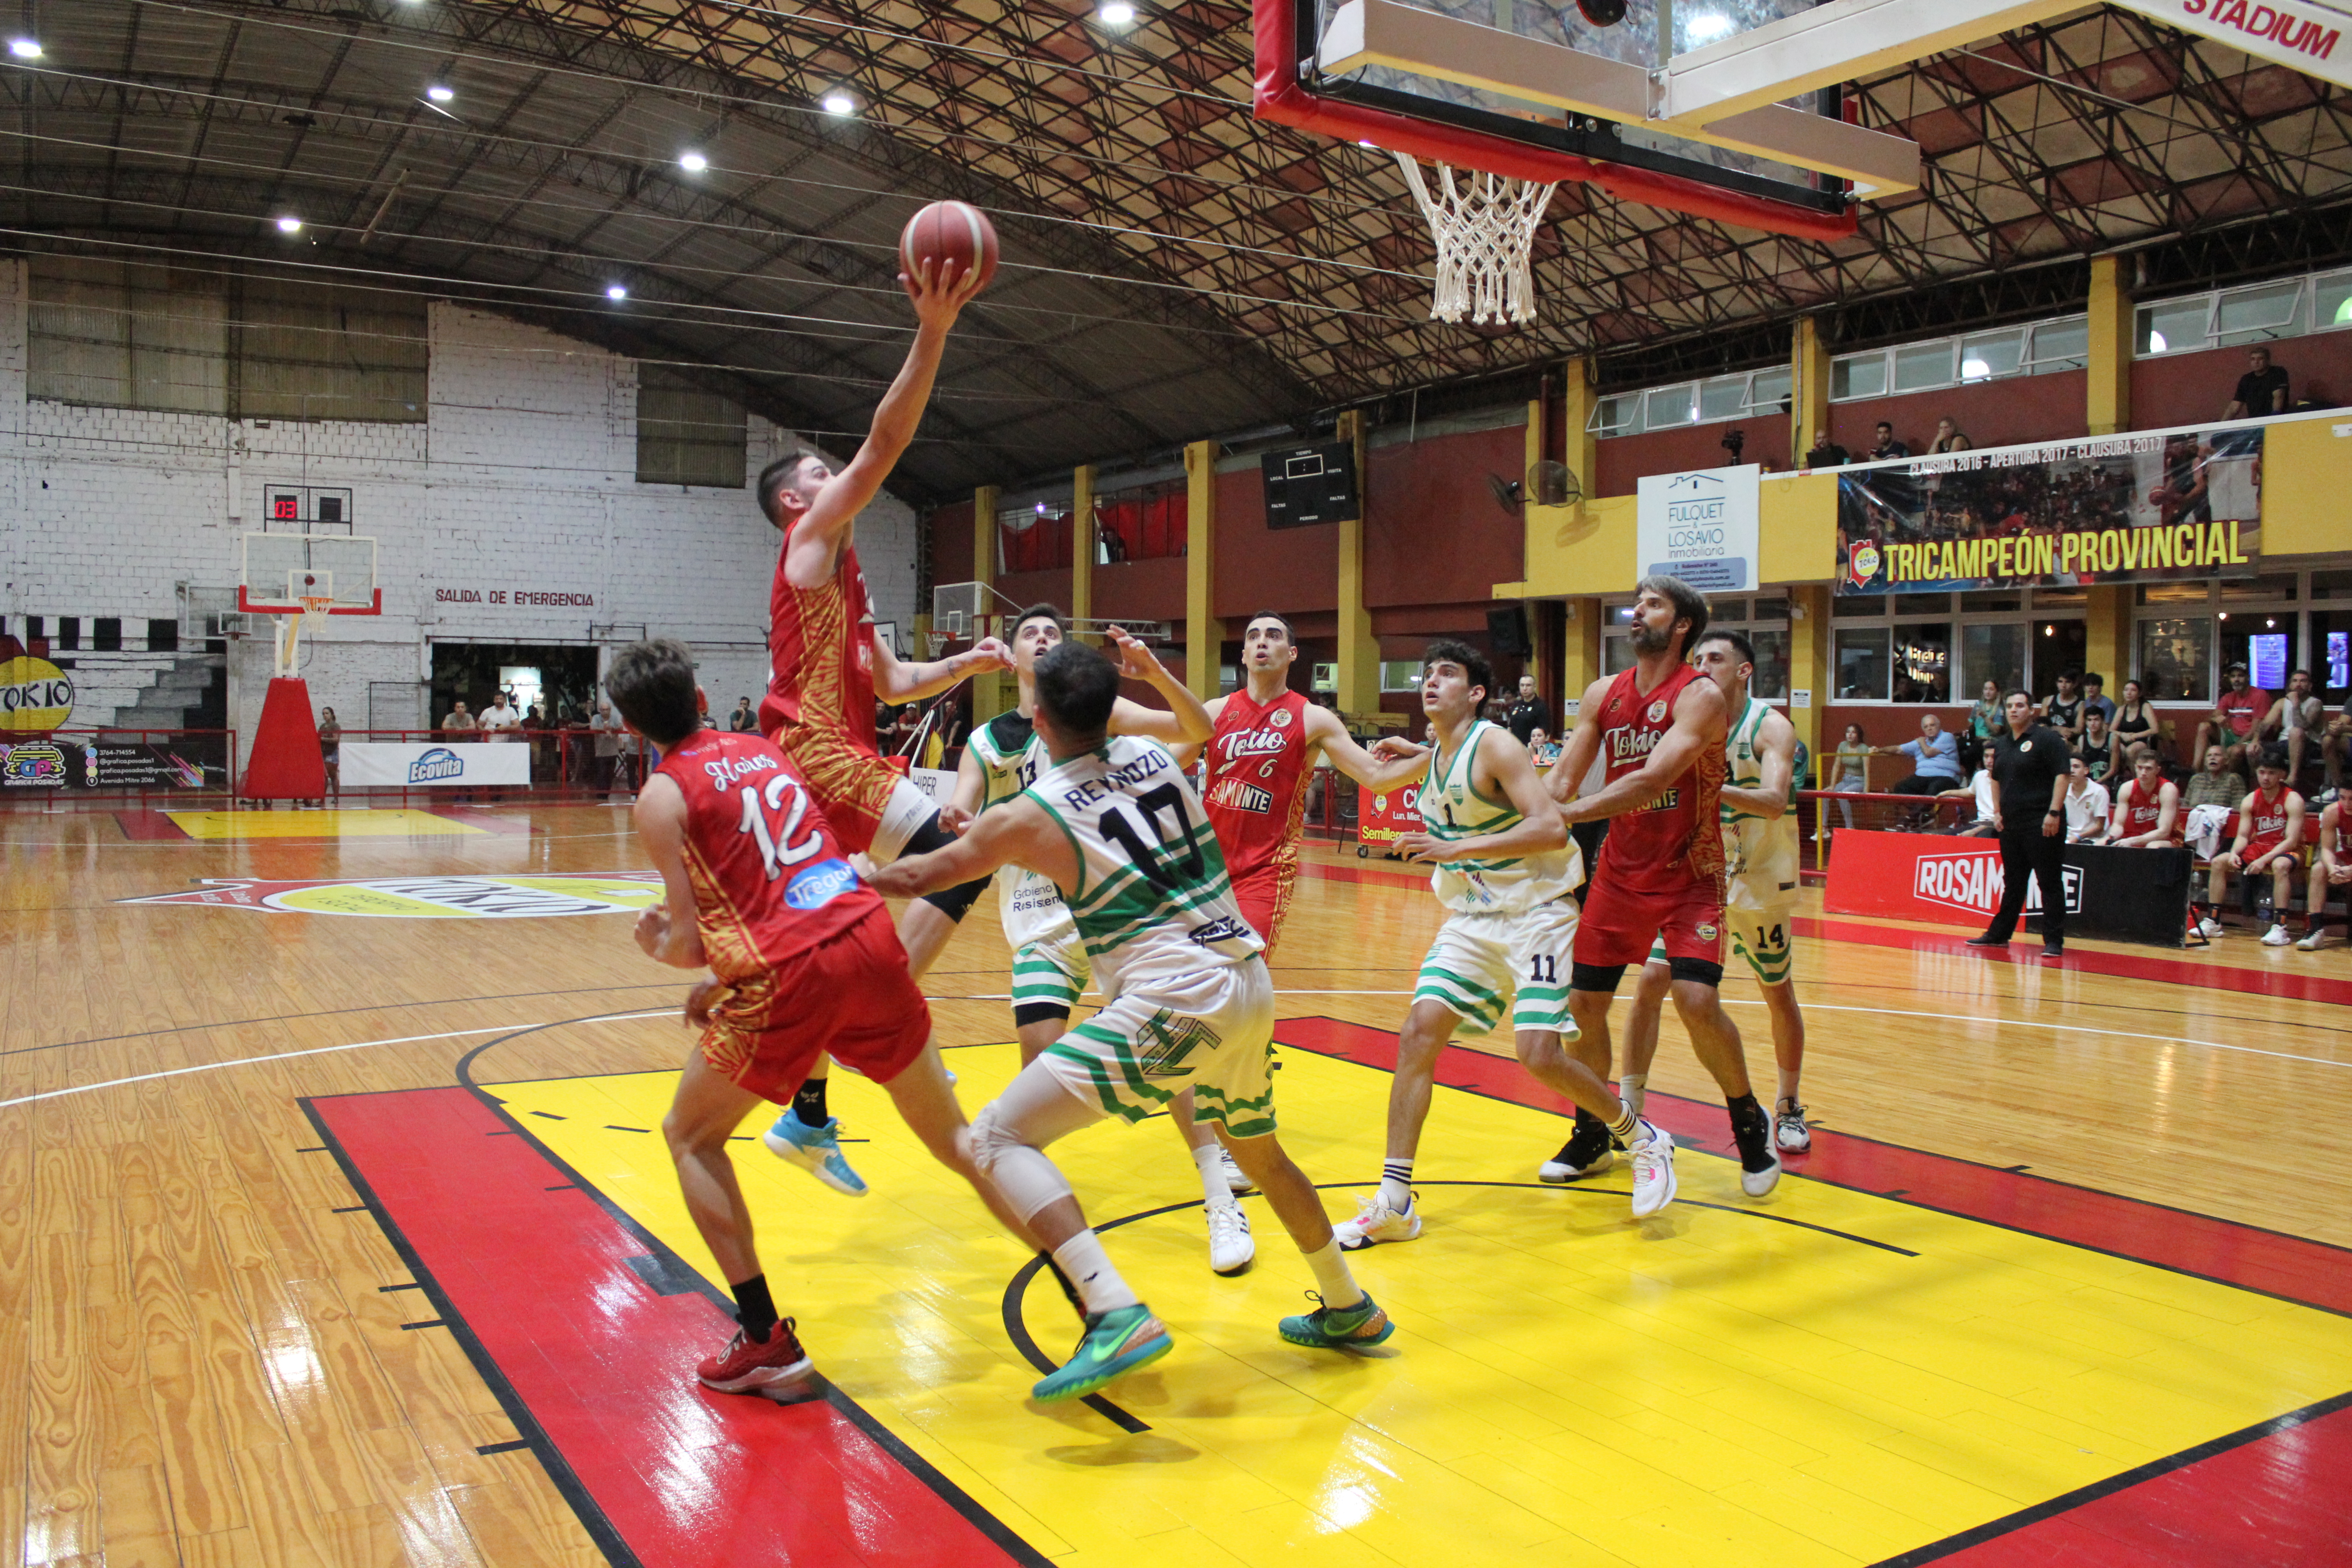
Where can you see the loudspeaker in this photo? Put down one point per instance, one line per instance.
(1507, 630)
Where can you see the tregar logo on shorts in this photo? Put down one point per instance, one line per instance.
(440, 763)
(818, 885)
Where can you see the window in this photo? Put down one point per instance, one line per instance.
(2172, 327)
(1857, 375)
(2059, 645)
(1989, 354)
(1400, 675)
(2175, 656)
(305, 350)
(126, 336)
(1692, 401)
(2257, 314)
(1861, 661)
(1923, 365)
(1666, 408)
(686, 435)
(1771, 681)
(2063, 344)
(1923, 662)
(1994, 653)
(1922, 635)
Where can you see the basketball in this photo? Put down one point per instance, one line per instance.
(950, 236)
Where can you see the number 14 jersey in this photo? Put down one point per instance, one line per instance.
(1152, 900)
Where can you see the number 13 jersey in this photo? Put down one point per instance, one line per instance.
(770, 881)
(1152, 900)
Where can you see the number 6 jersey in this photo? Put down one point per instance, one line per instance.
(770, 881)
(1152, 900)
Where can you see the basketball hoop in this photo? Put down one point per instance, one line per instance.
(938, 641)
(1485, 233)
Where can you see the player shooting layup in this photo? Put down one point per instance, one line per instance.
(827, 667)
(1759, 846)
(1120, 833)
(1664, 726)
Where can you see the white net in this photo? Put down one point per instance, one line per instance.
(1485, 229)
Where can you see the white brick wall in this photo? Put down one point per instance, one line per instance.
(521, 479)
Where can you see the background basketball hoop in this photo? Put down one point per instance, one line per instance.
(1485, 229)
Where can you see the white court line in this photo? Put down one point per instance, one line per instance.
(322, 1050)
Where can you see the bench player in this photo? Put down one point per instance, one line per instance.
(755, 884)
(2331, 876)
(1661, 727)
(1506, 875)
(2269, 844)
(1118, 829)
(827, 667)
(1759, 845)
(2147, 807)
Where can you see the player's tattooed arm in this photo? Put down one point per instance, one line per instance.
(1018, 833)
(1769, 799)
(1702, 720)
(1582, 749)
(1379, 772)
(1502, 764)
(668, 934)
(1186, 721)
(896, 680)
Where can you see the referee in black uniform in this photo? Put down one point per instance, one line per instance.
(2029, 773)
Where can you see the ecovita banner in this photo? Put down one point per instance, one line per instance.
(1700, 526)
(2107, 508)
(469, 765)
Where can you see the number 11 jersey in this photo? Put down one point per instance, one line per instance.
(1152, 900)
(770, 879)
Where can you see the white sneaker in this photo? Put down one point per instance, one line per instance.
(1231, 1249)
(1376, 1222)
(1653, 1170)
(2276, 936)
(2315, 941)
(1235, 1179)
(1795, 1137)
(2209, 927)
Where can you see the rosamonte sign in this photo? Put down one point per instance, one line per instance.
(2129, 895)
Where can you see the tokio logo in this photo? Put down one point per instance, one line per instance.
(1252, 744)
(36, 696)
(1861, 561)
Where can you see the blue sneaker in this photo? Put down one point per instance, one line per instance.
(1338, 1328)
(816, 1150)
(1116, 1344)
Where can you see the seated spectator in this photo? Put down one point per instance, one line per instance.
(1935, 759)
(1986, 824)
(2262, 390)
(2095, 696)
(1542, 747)
(2097, 746)
(2147, 808)
(1854, 754)
(2290, 722)
(1949, 437)
(2331, 876)
(1888, 446)
(2335, 746)
(2266, 853)
(2137, 726)
(2087, 806)
(1825, 453)
(742, 720)
(1984, 720)
(2064, 712)
(2231, 724)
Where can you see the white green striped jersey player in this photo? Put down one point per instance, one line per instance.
(1507, 944)
(1049, 961)
(1760, 851)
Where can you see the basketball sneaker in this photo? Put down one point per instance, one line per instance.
(1338, 1328)
(754, 1367)
(1587, 1153)
(1653, 1170)
(1234, 1178)
(816, 1150)
(2209, 927)
(1376, 1222)
(1759, 1162)
(1231, 1250)
(2315, 940)
(2276, 936)
(1116, 1344)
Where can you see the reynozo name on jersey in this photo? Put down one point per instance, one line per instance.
(1084, 792)
(1240, 795)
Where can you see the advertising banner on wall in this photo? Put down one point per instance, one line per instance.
(2123, 895)
(36, 697)
(2106, 508)
(1700, 526)
(381, 764)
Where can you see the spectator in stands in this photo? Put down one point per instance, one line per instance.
(458, 724)
(2147, 808)
(608, 730)
(2087, 806)
(1542, 747)
(2262, 390)
(743, 721)
(2064, 712)
(330, 751)
(2334, 745)
(2137, 727)
(1984, 720)
(1887, 447)
(1854, 754)
(499, 720)
(1826, 453)
(2290, 722)
(2095, 697)
(2266, 854)
(1527, 712)
(1935, 759)
(2231, 722)
(2216, 783)
(2331, 875)
(2097, 746)
(1950, 437)
(1986, 823)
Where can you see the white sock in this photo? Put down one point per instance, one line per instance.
(1396, 1184)
(1632, 1088)
(1338, 1286)
(1215, 1191)
(1088, 1266)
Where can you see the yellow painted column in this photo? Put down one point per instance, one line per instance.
(1809, 400)
(1204, 636)
(1582, 453)
(987, 690)
(1580, 664)
(2107, 634)
(2109, 408)
(1529, 608)
(1360, 651)
(1082, 544)
(1809, 673)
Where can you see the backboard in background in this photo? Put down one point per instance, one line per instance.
(278, 571)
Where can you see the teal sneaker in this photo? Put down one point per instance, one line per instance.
(816, 1150)
(1116, 1344)
(1338, 1328)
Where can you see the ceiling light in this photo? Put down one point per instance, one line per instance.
(1115, 14)
(290, 223)
(440, 94)
(1707, 27)
(694, 163)
(840, 103)
(615, 292)
(24, 49)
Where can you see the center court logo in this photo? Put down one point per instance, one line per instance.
(431, 898)
(1971, 879)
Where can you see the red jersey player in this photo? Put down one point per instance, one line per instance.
(1663, 726)
(804, 959)
(2269, 847)
(827, 667)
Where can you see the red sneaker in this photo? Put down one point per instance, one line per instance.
(748, 1366)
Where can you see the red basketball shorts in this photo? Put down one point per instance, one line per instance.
(850, 995)
(1264, 896)
(1619, 925)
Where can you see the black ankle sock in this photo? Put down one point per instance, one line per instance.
(808, 1102)
(1068, 1290)
(753, 1309)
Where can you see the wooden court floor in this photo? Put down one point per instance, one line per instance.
(335, 1228)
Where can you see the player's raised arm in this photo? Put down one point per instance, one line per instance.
(900, 681)
(1187, 721)
(818, 533)
(1508, 766)
(1018, 833)
(1778, 752)
(1584, 748)
(1380, 774)
(669, 934)
(1701, 720)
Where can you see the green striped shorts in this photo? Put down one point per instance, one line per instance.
(1210, 1030)
(1483, 963)
(1053, 970)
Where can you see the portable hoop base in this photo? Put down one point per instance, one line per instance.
(286, 762)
